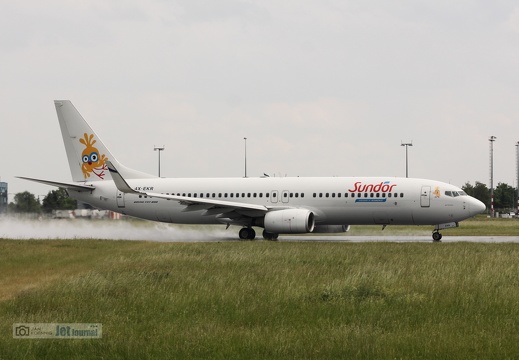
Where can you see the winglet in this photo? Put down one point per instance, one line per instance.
(119, 181)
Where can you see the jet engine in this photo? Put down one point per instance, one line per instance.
(289, 221)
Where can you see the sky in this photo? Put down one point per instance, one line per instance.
(318, 88)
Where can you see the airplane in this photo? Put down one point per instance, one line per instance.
(279, 205)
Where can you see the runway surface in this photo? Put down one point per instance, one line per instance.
(12, 228)
(403, 239)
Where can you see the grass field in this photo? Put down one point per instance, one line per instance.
(262, 299)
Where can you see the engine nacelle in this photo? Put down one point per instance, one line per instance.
(289, 221)
(329, 229)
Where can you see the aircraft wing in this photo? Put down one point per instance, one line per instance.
(211, 206)
(64, 185)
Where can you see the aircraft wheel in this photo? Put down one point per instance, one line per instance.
(436, 236)
(247, 234)
(270, 236)
(243, 233)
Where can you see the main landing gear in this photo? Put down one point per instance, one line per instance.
(248, 233)
(270, 236)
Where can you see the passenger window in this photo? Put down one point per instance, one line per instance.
(401, 195)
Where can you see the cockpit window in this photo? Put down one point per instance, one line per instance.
(455, 193)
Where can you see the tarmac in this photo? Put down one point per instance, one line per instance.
(403, 239)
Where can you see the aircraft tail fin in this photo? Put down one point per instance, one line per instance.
(86, 152)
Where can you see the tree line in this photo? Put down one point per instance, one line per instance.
(26, 202)
(505, 196)
(505, 199)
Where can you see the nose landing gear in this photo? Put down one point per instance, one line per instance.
(437, 237)
(436, 232)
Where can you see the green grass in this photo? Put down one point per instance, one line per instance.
(263, 299)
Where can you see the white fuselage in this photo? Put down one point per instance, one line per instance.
(333, 200)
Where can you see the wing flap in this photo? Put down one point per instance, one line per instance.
(64, 185)
(192, 203)
(209, 204)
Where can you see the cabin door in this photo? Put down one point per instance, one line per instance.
(425, 197)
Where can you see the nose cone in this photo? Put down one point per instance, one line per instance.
(476, 207)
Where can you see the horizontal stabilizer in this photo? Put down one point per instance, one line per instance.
(64, 185)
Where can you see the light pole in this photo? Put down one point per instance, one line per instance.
(245, 156)
(517, 150)
(492, 139)
(159, 149)
(406, 157)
